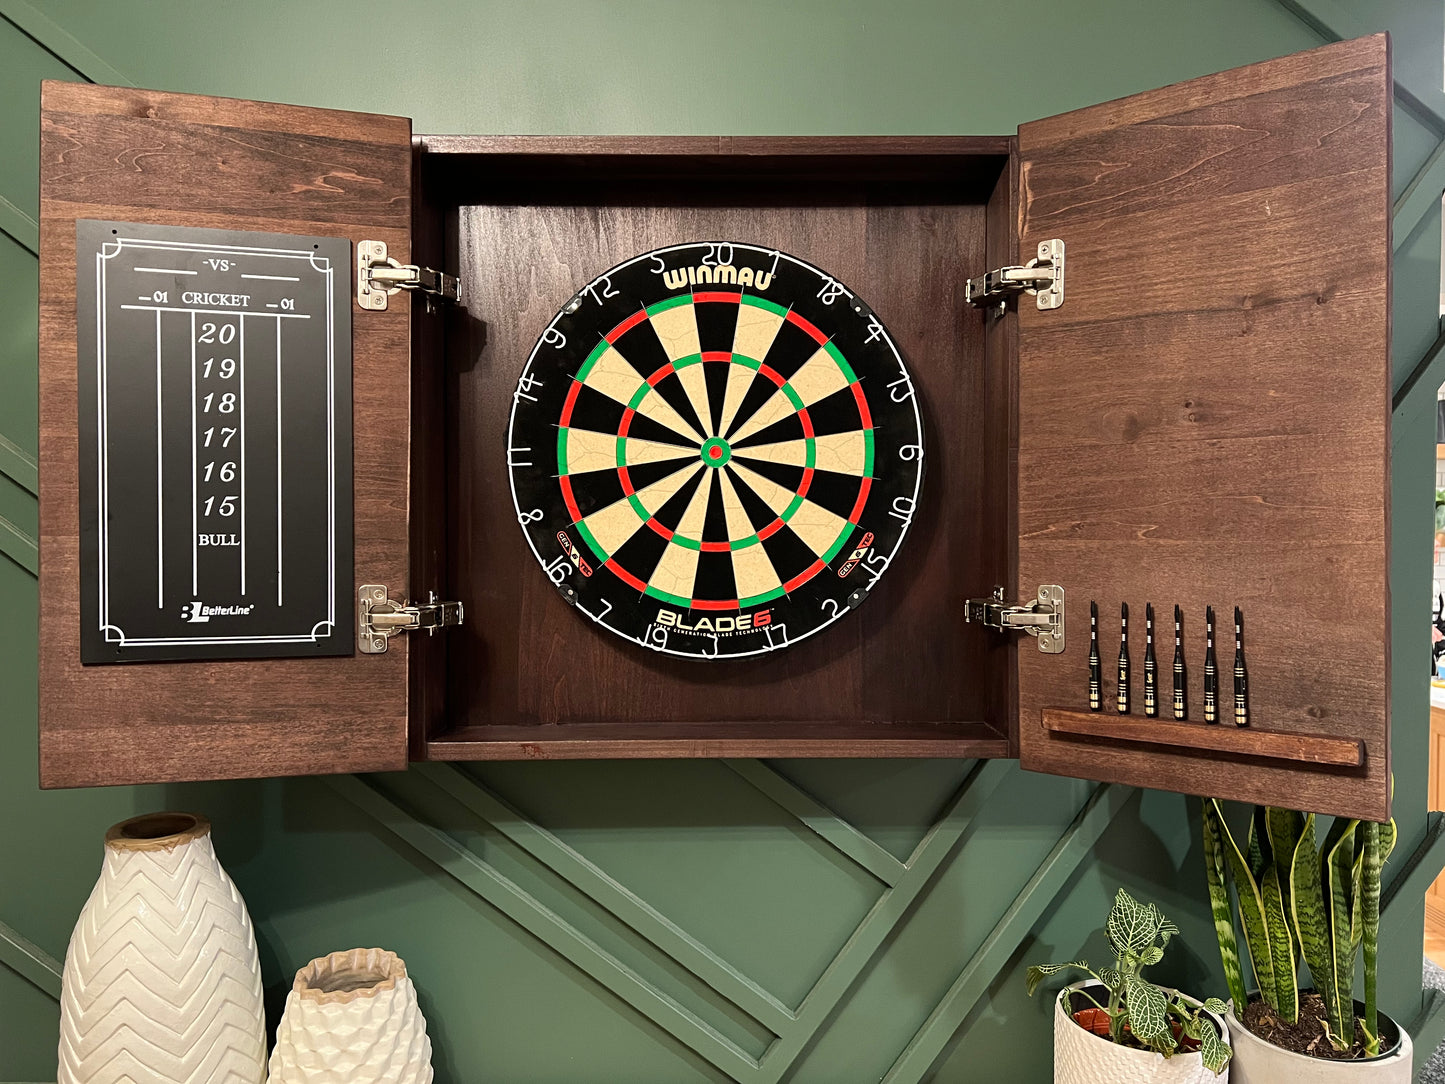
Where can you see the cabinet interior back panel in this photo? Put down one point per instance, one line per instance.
(526, 657)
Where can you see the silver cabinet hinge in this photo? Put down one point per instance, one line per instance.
(1042, 277)
(379, 618)
(1043, 618)
(378, 276)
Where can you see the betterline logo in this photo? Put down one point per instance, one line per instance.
(196, 612)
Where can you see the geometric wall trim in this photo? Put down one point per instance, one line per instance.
(792, 1027)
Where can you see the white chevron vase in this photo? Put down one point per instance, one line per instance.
(162, 984)
(352, 1018)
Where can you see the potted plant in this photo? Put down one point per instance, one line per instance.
(1297, 899)
(1117, 1026)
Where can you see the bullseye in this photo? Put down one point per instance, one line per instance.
(715, 450)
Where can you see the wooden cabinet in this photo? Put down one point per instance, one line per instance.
(1203, 421)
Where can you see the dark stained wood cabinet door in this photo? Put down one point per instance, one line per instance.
(180, 159)
(1206, 422)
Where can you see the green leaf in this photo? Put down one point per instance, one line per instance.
(1111, 978)
(1147, 1006)
(1132, 927)
(1215, 1005)
(1283, 827)
(1151, 955)
(1251, 914)
(1281, 946)
(1339, 869)
(1038, 972)
(1369, 911)
(1213, 1050)
(1311, 924)
(1216, 874)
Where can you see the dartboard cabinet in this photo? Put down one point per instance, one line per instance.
(561, 447)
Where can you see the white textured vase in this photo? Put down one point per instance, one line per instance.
(1259, 1062)
(1081, 1057)
(352, 1018)
(162, 984)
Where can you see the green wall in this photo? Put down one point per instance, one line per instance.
(687, 921)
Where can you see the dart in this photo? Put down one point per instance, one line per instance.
(1241, 679)
(1123, 703)
(1181, 709)
(1151, 668)
(1096, 677)
(1211, 670)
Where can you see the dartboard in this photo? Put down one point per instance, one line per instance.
(715, 450)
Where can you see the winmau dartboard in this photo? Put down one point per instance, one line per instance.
(715, 450)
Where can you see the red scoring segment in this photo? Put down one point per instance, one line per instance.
(714, 452)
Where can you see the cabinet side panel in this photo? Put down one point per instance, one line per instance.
(144, 156)
(1205, 421)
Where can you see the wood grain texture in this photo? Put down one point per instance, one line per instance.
(529, 663)
(663, 739)
(144, 156)
(1206, 420)
(1220, 740)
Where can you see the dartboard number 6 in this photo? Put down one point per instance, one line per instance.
(707, 443)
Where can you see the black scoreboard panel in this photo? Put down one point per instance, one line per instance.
(215, 443)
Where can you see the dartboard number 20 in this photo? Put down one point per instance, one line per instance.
(715, 450)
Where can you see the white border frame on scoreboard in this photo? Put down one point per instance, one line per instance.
(322, 264)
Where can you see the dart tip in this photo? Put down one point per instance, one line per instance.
(1124, 609)
(1149, 611)
(1209, 614)
(1238, 617)
(1178, 613)
(1093, 609)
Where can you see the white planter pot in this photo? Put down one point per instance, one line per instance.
(1081, 1057)
(352, 1018)
(161, 982)
(1258, 1062)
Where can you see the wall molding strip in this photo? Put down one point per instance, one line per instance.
(886, 915)
(1425, 378)
(30, 961)
(60, 43)
(19, 547)
(550, 928)
(1419, 198)
(830, 827)
(19, 227)
(1332, 21)
(614, 897)
(1038, 894)
(18, 465)
(1422, 867)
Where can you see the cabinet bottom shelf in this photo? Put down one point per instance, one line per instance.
(598, 741)
(1220, 738)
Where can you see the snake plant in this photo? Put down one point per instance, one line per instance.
(1155, 1018)
(1299, 898)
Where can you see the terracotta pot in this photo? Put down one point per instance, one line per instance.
(352, 1018)
(1082, 1057)
(1259, 1062)
(162, 983)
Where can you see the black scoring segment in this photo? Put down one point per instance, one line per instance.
(748, 564)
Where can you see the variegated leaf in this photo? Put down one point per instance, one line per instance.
(1251, 913)
(1148, 1019)
(1311, 923)
(1212, 1049)
(1038, 972)
(1339, 870)
(1281, 946)
(1216, 874)
(1131, 926)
